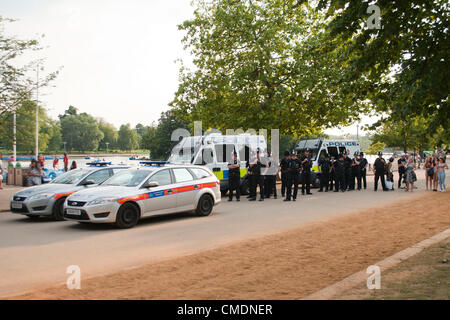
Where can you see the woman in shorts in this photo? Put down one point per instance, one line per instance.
(441, 167)
(410, 176)
(429, 172)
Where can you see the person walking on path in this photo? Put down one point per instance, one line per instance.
(410, 175)
(429, 172)
(442, 166)
(66, 162)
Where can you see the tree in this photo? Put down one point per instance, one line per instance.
(55, 137)
(25, 127)
(128, 138)
(375, 148)
(405, 61)
(158, 139)
(80, 131)
(16, 83)
(110, 135)
(256, 67)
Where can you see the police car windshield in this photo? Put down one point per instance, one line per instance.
(127, 178)
(71, 177)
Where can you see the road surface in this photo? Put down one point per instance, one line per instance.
(37, 253)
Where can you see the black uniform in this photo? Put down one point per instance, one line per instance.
(401, 171)
(347, 172)
(332, 178)
(356, 174)
(293, 178)
(325, 166)
(284, 165)
(256, 178)
(362, 165)
(306, 174)
(380, 170)
(234, 177)
(339, 175)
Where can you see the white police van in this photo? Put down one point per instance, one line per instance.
(215, 151)
(319, 147)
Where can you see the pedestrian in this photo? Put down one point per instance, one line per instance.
(348, 170)
(379, 168)
(339, 173)
(284, 169)
(390, 172)
(74, 165)
(234, 177)
(55, 162)
(363, 164)
(66, 162)
(258, 178)
(442, 166)
(293, 177)
(410, 175)
(1, 171)
(356, 172)
(41, 161)
(435, 170)
(325, 168)
(429, 172)
(401, 168)
(35, 174)
(306, 165)
(332, 178)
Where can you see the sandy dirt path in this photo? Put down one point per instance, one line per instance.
(37, 253)
(289, 265)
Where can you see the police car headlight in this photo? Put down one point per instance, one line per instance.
(41, 196)
(101, 201)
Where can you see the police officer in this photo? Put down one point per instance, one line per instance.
(363, 168)
(333, 159)
(293, 177)
(379, 168)
(234, 177)
(270, 178)
(348, 170)
(306, 164)
(258, 178)
(325, 167)
(284, 169)
(339, 173)
(356, 172)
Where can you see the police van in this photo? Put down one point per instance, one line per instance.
(319, 147)
(215, 151)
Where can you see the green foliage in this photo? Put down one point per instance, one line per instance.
(110, 135)
(80, 131)
(256, 67)
(128, 138)
(375, 147)
(405, 62)
(158, 139)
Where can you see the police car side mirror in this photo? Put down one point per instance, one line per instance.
(88, 183)
(150, 184)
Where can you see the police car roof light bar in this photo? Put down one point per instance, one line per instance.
(154, 163)
(98, 164)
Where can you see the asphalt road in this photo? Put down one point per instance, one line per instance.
(36, 253)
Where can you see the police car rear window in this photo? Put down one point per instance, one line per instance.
(200, 173)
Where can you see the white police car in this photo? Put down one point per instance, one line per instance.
(154, 189)
(48, 199)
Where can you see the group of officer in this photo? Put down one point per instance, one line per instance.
(341, 173)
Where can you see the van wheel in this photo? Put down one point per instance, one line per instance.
(127, 216)
(58, 209)
(204, 205)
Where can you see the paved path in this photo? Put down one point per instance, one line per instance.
(34, 253)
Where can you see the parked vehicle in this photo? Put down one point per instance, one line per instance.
(154, 189)
(48, 199)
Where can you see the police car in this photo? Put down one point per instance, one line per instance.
(48, 199)
(153, 189)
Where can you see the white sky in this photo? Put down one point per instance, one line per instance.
(118, 56)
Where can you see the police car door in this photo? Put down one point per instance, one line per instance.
(186, 188)
(162, 197)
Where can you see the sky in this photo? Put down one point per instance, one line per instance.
(117, 58)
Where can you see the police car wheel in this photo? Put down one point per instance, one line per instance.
(205, 205)
(127, 216)
(58, 209)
